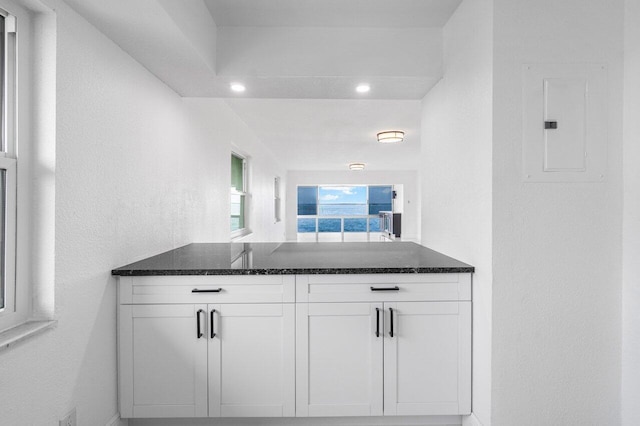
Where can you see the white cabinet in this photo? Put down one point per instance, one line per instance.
(339, 360)
(427, 361)
(251, 360)
(404, 356)
(285, 345)
(163, 365)
(206, 359)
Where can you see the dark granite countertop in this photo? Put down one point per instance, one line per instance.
(295, 258)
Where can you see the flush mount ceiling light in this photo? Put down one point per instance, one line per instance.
(356, 166)
(390, 136)
(363, 88)
(238, 87)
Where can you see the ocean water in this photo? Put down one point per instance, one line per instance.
(342, 210)
(332, 217)
(351, 224)
(306, 225)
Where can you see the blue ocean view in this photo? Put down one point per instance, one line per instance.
(351, 224)
(342, 208)
(306, 225)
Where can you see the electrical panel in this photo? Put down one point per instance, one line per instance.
(564, 123)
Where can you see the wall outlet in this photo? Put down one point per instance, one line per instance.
(69, 419)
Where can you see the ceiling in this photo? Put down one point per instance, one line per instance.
(332, 13)
(328, 134)
(300, 61)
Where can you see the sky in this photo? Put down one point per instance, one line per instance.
(343, 194)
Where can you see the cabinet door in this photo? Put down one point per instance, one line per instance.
(338, 359)
(251, 360)
(427, 361)
(163, 361)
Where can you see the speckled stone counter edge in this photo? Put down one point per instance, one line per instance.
(292, 258)
(294, 271)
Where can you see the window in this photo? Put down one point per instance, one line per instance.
(341, 212)
(27, 258)
(8, 166)
(238, 195)
(276, 199)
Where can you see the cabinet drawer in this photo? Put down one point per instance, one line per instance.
(206, 289)
(383, 287)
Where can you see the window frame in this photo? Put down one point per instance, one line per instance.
(32, 43)
(244, 194)
(277, 205)
(306, 236)
(8, 252)
(13, 312)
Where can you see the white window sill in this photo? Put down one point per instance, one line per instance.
(240, 233)
(23, 332)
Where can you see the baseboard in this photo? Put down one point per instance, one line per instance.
(117, 421)
(306, 421)
(471, 420)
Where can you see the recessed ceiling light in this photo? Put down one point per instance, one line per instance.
(356, 166)
(390, 136)
(363, 88)
(237, 87)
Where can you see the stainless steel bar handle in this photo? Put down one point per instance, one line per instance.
(199, 330)
(213, 312)
(391, 320)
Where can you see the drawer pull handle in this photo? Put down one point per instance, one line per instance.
(213, 290)
(391, 320)
(377, 322)
(213, 334)
(199, 331)
(396, 288)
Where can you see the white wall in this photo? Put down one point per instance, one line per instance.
(408, 178)
(171, 41)
(137, 173)
(631, 219)
(456, 173)
(231, 133)
(556, 246)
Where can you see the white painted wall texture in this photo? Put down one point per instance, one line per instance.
(233, 134)
(631, 219)
(137, 173)
(411, 206)
(456, 172)
(557, 257)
